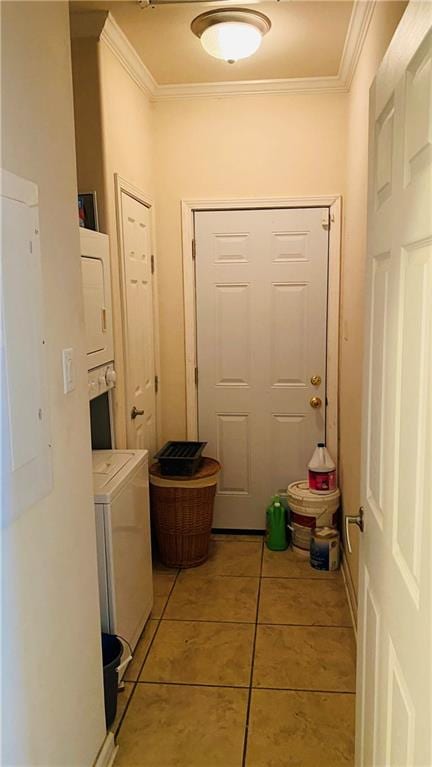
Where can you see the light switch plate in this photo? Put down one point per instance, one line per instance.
(68, 371)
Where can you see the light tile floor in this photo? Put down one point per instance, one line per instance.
(247, 661)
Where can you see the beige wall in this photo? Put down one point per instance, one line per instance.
(119, 116)
(384, 21)
(244, 146)
(88, 121)
(51, 664)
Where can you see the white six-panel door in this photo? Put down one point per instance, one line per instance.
(261, 287)
(394, 715)
(138, 321)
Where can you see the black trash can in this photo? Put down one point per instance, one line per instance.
(112, 650)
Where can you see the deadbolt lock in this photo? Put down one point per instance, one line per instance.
(315, 380)
(315, 402)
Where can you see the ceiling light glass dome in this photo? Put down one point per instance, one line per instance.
(231, 34)
(231, 40)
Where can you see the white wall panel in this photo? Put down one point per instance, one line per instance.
(370, 680)
(376, 384)
(233, 440)
(289, 325)
(418, 142)
(411, 415)
(401, 716)
(233, 334)
(289, 246)
(231, 248)
(287, 446)
(384, 153)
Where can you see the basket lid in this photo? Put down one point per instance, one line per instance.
(208, 467)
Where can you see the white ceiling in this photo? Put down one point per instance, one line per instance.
(306, 40)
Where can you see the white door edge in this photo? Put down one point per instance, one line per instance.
(334, 203)
(124, 186)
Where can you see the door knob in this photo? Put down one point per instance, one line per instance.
(352, 519)
(315, 380)
(315, 402)
(135, 412)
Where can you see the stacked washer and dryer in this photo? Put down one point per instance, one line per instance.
(120, 477)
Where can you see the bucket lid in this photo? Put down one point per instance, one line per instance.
(325, 532)
(300, 493)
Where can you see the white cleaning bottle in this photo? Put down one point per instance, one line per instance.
(322, 471)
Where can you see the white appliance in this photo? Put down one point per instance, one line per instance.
(121, 496)
(96, 281)
(101, 380)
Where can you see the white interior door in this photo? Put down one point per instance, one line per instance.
(261, 284)
(394, 667)
(138, 322)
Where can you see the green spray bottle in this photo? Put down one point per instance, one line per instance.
(276, 538)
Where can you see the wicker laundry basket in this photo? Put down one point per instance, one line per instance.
(182, 513)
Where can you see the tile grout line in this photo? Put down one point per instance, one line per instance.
(209, 574)
(136, 681)
(155, 683)
(264, 623)
(169, 594)
(249, 702)
(325, 578)
(250, 687)
(305, 689)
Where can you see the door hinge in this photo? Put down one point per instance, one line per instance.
(193, 250)
(325, 223)
(196, 376)
(152, 263)
(156, 384)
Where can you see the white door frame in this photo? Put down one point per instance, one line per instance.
(121, 185)
(334, 203)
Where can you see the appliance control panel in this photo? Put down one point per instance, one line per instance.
(101, 380)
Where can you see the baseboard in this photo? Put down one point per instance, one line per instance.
(108, 752)
(350, 591)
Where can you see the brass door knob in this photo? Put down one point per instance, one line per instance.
(315, 402)
(135, 412)
(315, 380)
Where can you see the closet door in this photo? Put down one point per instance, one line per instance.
(261, 287)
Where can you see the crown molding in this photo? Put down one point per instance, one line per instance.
(250, 87)
(120, 46)
(102, 25)
(356, 34)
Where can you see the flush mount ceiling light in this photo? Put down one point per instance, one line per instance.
(231, 34)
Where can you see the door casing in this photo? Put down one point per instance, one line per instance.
(121, 185)
(334, 203)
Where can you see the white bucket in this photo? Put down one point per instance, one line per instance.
(309, 510)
